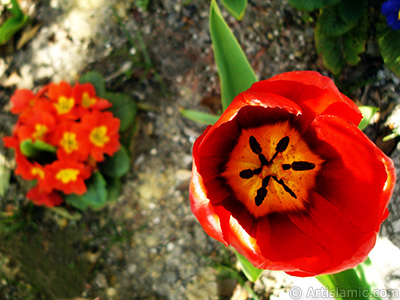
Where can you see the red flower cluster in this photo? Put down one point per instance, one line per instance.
(287, 178)
(71, 120)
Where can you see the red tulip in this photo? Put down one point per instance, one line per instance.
(287, 178)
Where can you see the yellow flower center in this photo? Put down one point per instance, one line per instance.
(64, 105)
(67, 175)
(271, 169)
(398, 16)
(69, 142)
(37, 171)
(40, 131)
(99, 137)
(87, 101)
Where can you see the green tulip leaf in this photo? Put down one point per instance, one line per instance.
(97, 80)
(236, 7)
(252, 273)
(354, 284)
(200, 117)
(310, 5)
(368, 113)
(123, 107)
(95, 196)
(13, 24)
(235, 73)
(117, 165)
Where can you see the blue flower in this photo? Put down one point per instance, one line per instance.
(391, 10)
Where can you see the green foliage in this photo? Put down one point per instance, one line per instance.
(117, 165)
(123, 107)
(389, 45)
(36, 149)
(310, 5)
(340, 34)
(143, 4)
(236, 7)
(336, 51)
(252, 273)
(235, 73)
(360, 282)
(200, 117)
(368, 113)
(95, 197)
(12, 24)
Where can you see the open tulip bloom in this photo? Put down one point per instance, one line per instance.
(287, 178)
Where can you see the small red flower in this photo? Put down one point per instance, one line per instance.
(62, 100)
(102, 133)
(85, 96)
(37, 126)
(40, 197)
(287, 178)
(21, 100)
(66, 176)
(71, 142)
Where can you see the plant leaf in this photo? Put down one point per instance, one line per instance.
(200, 117)
(35, 149)
(360, 282)
(235, 73)
(11, 26)
(352, 11)
(368, 113)
(252, 273)
(236, 7)
(310, 5)
(331, 22)
(123, 107)
(117, 165)
(97, 80)
(330, 49)
(389, 45)
(95, 196)
(114, 186)
(354, 41)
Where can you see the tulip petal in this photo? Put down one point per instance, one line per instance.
(354, 169)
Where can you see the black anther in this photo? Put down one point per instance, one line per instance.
(254, 145)
(265, 181)
(286, 166)
(261, 194)
(263, 160)
(302, 166)
(285, 187)
(282, 145)
(246, 174)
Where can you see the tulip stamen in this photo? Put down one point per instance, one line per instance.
(285, 187)
(299, 166)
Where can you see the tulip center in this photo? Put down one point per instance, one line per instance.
(271, 169)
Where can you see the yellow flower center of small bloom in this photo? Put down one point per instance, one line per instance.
(271, 169)
(40, 131)
(398, 16)
(99, 137)
(69, 142)
(87, 101)
(37, 171)
(64, 105)
(67, 175)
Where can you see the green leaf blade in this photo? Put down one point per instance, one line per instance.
(368, 113)
(252, 273)
(389, 45)
(200, 117)
(236, 7)
(235, 73)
